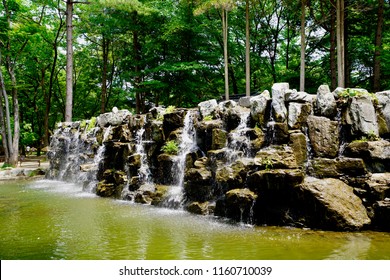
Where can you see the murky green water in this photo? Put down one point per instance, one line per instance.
(55, 220)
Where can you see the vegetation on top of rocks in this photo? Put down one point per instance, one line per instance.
(91, 124)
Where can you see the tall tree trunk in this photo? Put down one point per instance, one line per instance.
(378, 46)
(333, 60)
(303, 46)
(69, 61)
(14, 156)
(106, 44)
(247, 52)
(2, 123)
(225, 50)
(340, 43)
(137, 61)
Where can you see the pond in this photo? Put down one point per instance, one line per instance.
(48, 220)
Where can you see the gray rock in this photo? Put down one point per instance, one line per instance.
(208, 108)
(362, 116)
(326, 103)
(383, 112)
(292, 95)
(259, 105)
(245, 101)
(112, 118)
(279, 109)
(297, 114)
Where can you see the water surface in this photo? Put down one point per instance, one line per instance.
(56, 220)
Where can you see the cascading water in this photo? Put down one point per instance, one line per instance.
(90, 179)
(144, 170)
(187, 145)
(239, 145)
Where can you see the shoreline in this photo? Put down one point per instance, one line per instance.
(29, 170)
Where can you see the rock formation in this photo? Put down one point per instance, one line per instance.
(293, 158)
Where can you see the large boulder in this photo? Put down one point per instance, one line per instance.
(279, 109)
(198, 185)
(297, 114)
(362, 116)
(324, 136)
(173, 121)
(336, 168)
(275, 180)
(276, 157)
(325, 103)
(259, 106)
(383, 112)
(116, 117)
(208, 108)
(331, 204)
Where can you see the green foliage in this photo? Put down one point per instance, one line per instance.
(267, 163)
(7, 166)
(91, 124)
(208, 118)
(170, 147)
(170, 109)
(27, 136)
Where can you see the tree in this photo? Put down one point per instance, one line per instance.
(225, 6)
(69, 58)
(303, 45)
(340, 43)
(378, 46)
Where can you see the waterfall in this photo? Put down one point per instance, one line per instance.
(187, 145)
(90, 179)
(239, 145)
(144, 171)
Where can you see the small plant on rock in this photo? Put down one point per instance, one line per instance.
(208, 118)
(170, 147)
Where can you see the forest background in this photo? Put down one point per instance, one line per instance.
(135, 54)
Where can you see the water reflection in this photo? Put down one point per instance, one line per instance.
(356, 247)
(54, 220)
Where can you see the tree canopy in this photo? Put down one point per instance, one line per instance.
(139, 53)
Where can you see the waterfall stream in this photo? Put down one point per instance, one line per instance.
(187, 145)
(239, 144)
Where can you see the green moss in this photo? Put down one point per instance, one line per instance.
(208, 118)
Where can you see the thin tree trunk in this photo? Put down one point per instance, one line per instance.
(340, 43)
(225, 50)
(2, 123)
(247, 52)
(137, 79)
(69, 61)
(303, 46)
(333, 60)
(378, 46)
(106, 44)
